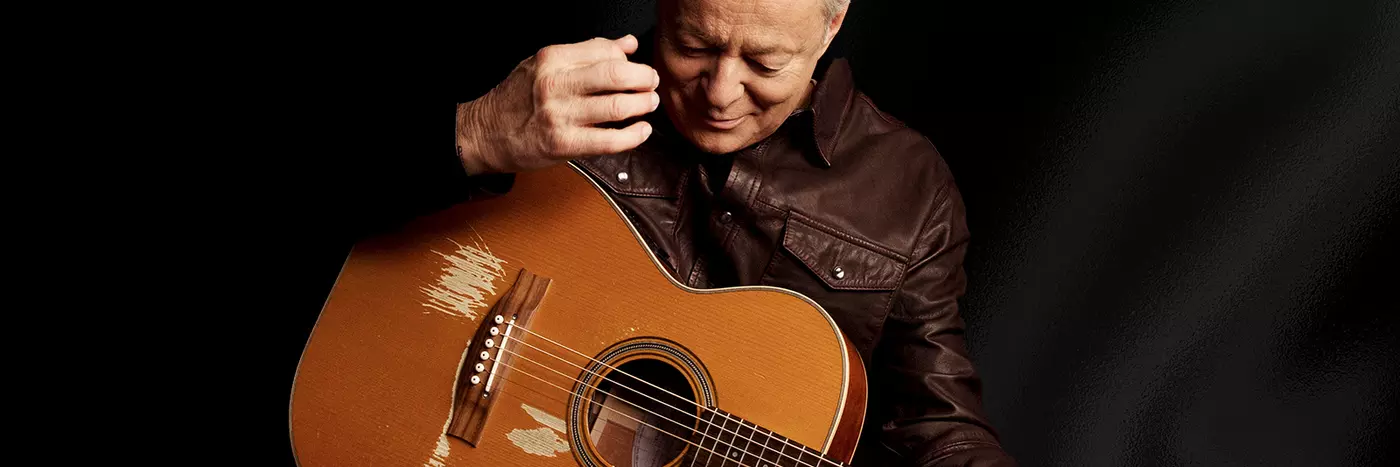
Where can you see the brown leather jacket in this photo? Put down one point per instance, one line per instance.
(846, 205)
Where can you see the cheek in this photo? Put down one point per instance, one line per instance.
(682, 70)
(682, 82)
(771, 92)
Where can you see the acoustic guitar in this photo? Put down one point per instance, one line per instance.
(536, 329)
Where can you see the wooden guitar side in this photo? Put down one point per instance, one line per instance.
(376, 380)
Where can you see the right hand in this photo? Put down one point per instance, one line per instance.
(548, 109)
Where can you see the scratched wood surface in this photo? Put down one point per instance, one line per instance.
(375, 382)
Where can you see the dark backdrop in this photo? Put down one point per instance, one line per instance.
(1183, 212)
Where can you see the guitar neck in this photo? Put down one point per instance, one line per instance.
(724, 439)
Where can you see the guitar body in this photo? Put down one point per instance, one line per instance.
(600, 357)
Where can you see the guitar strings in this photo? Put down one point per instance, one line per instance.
(507, 380)
(735, 432)
(561, 388)
(613, 368)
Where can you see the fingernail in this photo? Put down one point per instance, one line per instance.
(655, 79)
(646, 131)
(655, 100)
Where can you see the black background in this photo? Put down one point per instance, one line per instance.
(1183, 212)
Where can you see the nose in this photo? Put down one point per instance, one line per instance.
(723, 84)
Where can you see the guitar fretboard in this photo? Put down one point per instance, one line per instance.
(729, 441)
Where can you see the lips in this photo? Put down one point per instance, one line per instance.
(724, 124)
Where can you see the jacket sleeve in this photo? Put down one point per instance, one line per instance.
(932, 413)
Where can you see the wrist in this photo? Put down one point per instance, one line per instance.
(470, 138)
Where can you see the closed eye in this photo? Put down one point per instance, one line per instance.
(763, 68)
(692, 51)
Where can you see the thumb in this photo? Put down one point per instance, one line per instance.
(628, 44)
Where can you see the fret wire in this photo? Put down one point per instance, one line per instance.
(719, 435)
(816, 455)
(804, 453)
(747, 443)
(729, 453)
(797, 457)
(817, 458)
(735, 442)
(763, 461)
(702, 441)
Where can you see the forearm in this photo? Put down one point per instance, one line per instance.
(938, 418)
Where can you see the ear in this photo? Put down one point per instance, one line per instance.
(834, 26)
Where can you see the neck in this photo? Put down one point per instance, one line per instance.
(807, 94)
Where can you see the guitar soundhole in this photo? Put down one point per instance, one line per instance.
(634, 424)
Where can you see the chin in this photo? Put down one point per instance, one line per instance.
(716, 142)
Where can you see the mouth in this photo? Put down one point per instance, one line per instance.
(727, 124)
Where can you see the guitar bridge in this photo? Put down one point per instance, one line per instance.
(481, 369)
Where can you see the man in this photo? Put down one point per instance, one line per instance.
(758, 170)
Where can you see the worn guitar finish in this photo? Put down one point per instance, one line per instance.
(761, 376)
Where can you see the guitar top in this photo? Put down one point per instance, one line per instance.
(535, 328)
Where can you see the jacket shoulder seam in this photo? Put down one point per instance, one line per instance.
(880, 113)
(939, 198)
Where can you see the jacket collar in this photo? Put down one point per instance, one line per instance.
(829, 105)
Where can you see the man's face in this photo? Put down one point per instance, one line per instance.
(732, 70)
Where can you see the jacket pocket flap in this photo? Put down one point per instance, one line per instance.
(841, 261)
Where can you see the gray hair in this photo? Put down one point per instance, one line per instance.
(830, 7)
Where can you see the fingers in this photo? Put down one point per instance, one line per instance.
(593, 50)
(600, 141)
(580, 85)
(628, 44)
(614, 107)
(611, 76)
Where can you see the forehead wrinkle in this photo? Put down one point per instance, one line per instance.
(702, 35)
(717, 41)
